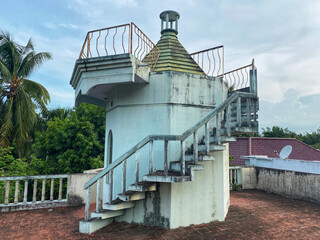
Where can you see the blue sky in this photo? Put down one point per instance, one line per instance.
(282, 35)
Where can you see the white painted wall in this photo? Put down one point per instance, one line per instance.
(170, 104)
(284, 164)
(174, 205)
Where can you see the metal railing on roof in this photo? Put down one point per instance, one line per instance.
(125, 38)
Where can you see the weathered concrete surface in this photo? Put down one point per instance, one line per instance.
(249, 177)
(203, 200)
(298, 185)
(294, 184)
(283, 164)
(76, 193)
(170, 104)
(252, 215)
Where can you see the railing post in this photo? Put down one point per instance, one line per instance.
(183, 160)
(43, 192)
(137, 166)
(6, 197)
(151, 157)
(229, 120)
(124, 174)
(88, 45)
(239, 112)
(51, 189)
(60, 189)
(110, 186)
(253, 80)
(166, 157)
(87, 205)
(218, 128)
(248, 112)
(207, 138)
(98, 199)
(34, 197)
(16, 192)
(195, 147)
(25, 193)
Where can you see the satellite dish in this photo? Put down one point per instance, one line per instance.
(285, 152)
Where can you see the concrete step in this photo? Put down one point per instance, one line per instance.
(94, 224)
(189, 158)
(224, 139)
(175, 167)
(132, 197)
(202, 148)
(143, 187)
(118, 206)
(171, 178)
(107, 214)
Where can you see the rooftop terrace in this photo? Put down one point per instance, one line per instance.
(252, 215)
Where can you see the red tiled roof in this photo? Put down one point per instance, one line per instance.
(267, 146)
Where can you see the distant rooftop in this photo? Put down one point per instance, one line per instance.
(267, 146)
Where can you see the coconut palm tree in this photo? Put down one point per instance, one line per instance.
(20, 97)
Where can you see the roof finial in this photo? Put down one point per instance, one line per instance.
(170, 19)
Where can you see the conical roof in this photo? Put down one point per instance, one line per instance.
(173, 56)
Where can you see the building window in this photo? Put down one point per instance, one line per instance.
(109, 149)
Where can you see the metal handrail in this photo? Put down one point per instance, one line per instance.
(181, 137)
(206, 59)
(139, 44)
(238, 78)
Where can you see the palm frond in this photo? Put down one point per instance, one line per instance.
(7, 125)
(33, 60)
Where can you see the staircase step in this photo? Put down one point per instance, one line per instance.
(119, 206)
(143, 187)
(224, 139)
(189, 158)
(175, 167)
(132, 197)
(202, 148)
(94, 224)
(160, 177)
(107, 214)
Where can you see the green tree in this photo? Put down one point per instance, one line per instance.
(72, 144)
(19, 96)
(279, 132)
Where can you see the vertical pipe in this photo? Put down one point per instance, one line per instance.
(195, 147)
(16, 192)
(137, 166)
(151, 157)
(183, 160)
(87, 205)
(98, 199)
(110, 186)
(124, 175)
(43, 192)
(51, 189)
(60, 189)
(34, 197)
(207, 138)
(166, 157)
(25, 194)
